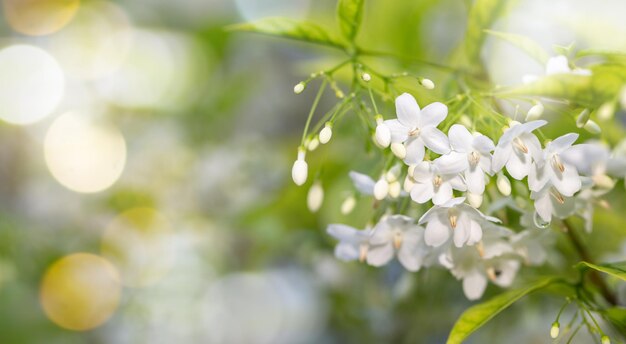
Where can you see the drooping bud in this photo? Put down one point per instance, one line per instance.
(554, 330)
(535, 112)
(606, 340)
(381, 189)
(299, 88)
(394, 189)
(299, 171)
(315, 197)
(503, 184)
(326, 133)
(475, 200)
(366, 77)
(383, 134)
(313, 144)
(606, 111)
(398, 150)
(592, 127)
(348, 205)
(583, 118)
(427, 84)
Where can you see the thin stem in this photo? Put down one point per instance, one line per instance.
(315, 102)
(369, 89)
(595, 277)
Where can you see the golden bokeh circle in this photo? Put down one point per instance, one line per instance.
(80, 291)
(39, 17)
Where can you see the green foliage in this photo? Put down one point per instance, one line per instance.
(524, 43)
(477, 316)
(617, 317)
(292, 29)
(617, 270)
(481, 16)
(349, 16)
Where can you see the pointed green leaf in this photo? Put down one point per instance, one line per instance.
(477, 316)
(289, 28)
(615, 269)
(349, 15)
(617, 317)
(481, 16)
(529, 46)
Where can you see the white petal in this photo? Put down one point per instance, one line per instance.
(436, 233)
(341, 232)
(380, 255)
(452, 163)
(568, 182)
(432, 115)
(381, 233)
(538, 177)
(476, 233)
(435, 140)
(410, 255)
(562, 143)
(500, 157)
(422, 192)
(399, 132)
(414, 151)
(508, 270)
(347, 251)
(462, 230)
(474, 285)
(475, 178)
(407, 110)
(423, 172)
(457, 183)
(483, 144)
(363, 183)
(460, 138)
(534, 146)
(557, 65)
(442, 194)
(518, 165)
(543, 206)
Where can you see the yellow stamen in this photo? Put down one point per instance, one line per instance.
(520, 145)
(556, 163)
(363, 252)
(437, 181)
(397, 240)
(557, 195)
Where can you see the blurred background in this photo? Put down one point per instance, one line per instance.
(145, 194)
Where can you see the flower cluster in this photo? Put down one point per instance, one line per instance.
(447, 176)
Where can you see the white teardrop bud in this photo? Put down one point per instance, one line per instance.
(383, 135)
(475, 200)
(326, 133)
(394, 189)
(583, 118)
(606, 340)
(535, 112)
(366, 77)
(428, 84)
(554, 331)
(398, 150)
(299, 88)
(503, 184)
(381, 189)
(313, 144)
(606, 111)
(315, 197)
(408, 184)
(466, 121)
(592, 127)
(348, 205)
(299, 171)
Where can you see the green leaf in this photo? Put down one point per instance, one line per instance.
(529, 46)
(481, 16)
(615, 269)
(477, 316)
(288, 28)
(617, 317)
(350, 15)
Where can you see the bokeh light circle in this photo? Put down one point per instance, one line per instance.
(39, 17)
(140, 243)
(83, 155)
(32, 84)
(80, 291)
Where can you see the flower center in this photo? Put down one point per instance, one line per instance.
(397, 240)
(363, 248)
(557, 164)
(557, 196)
(474, 158)
(414, 132)
(453, 217)
(437, 181)
(519, 144)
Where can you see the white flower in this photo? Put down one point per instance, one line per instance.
(417, 128)
(388, 184)
(550, 202)
(469, 154)
(299, 170)
(454, 218)
(517, 148)
(353, 243)
(397, 234)
(557, 65)
(551, 170)
(432, 183)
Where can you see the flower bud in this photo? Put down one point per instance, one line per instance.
(411, 169)
(383, 134)
(299, 170)
(381, 189)
(606, 340)
(592, 127)
(299, 88)
(475, 200)
(583, 118)
(603, 181)
(366, 77)
(606, 111)
(313, 144)
(348, 205)
(554, 331)
(326, 133)
(315, 197)
(398, 150)
(535, 112)
(427, 84)
(408, 183)
(465, 121)
(394, 189)
(503, 184)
